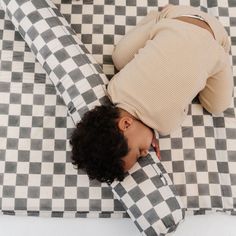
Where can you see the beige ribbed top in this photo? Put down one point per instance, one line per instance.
(159, 83)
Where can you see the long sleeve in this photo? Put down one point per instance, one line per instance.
(135, 39)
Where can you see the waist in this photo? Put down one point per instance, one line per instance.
(197, 22)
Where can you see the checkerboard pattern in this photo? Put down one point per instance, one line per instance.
(149, 197)
(36, 175)
(73, 71)
(76, 79)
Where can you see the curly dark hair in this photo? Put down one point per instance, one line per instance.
(98, 145)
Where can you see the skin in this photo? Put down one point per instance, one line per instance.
(140, 138)
(190, 20)
(196, 22)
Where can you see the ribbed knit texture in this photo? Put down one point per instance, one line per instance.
(169, 70)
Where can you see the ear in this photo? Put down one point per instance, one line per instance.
(125, 123)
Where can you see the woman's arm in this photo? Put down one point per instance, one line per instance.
(135, 39)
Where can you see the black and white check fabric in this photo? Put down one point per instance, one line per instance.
(150, 199)
(37, 177)
(77, 79)
(75, 74)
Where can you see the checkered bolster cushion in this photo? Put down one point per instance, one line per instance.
(149, 197)
(79, 80)
(77, 77)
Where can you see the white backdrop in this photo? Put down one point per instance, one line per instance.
(207, 225)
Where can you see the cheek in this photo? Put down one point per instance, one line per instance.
(129, 162)
(146, 139)
(130, 159)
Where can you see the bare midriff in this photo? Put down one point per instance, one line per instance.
(197, 22)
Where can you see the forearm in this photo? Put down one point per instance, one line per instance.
(135, 39)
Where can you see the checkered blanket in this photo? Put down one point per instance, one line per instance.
(36, 175)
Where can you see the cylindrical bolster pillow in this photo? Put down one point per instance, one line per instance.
(77, 77)
(150, 202)
(150, 198)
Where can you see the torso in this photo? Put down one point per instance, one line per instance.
(162, 79)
